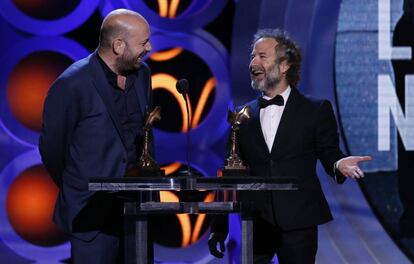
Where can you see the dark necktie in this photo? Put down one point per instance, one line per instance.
(277, 100)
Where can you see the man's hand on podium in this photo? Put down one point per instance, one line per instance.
(217, 237)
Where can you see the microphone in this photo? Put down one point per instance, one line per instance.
(182, 88)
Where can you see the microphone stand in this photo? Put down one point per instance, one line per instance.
(182, 88)
(188, 135)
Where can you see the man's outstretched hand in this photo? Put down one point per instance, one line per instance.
(217, 238)
(349, 166)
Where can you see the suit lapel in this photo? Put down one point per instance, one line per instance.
(104, 90)
(287, 123)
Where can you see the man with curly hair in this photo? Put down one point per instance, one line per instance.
(285, 136)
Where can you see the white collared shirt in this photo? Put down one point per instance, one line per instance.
(270, 118)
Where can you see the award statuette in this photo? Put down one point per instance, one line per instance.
(147, 166)
(234, 165)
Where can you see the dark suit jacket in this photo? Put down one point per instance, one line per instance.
(81, 138)
(307, 132)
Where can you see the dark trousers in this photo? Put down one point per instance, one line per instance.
(103, 249)
(293, 246)
(98, 231)
(103, 215)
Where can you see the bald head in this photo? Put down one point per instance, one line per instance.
(120, 24)
(124, 41)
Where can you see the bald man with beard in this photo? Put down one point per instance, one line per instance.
(93, 127)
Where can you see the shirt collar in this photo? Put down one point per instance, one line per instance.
(110, 75)
(285, 94)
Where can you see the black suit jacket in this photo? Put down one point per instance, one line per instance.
(81, 138)
(307, 132)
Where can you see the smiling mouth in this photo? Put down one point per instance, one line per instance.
(256, 73)
(141, 57)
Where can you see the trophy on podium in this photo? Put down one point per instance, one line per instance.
(147, 166)
(234, 165)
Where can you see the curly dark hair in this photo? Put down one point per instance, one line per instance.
(286, 49)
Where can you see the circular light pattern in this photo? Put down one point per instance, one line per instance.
(167, 82)
(30, 203)
(195, 15)
(196, 251)
(201, 92)
(46, 9)
(168, 9)
(23, 22)
(214, 55)
(29, 83)
(182, 230)
(8, 235)
(198, 14)
(12, 126)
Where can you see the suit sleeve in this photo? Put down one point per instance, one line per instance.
(220, 224)
(59, 121)
(327, 138)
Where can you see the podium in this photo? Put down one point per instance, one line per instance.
(136, 211)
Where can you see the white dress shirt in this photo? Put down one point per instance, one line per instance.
(270, 118)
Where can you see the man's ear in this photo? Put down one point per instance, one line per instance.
(118, 46)
(284, 67)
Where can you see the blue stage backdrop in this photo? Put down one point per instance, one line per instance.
(349, 56)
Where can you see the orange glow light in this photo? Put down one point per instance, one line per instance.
(166, 55)
(30, 202)
(167, 82)
(185, 223)
(171, 168)
(200, 220)
(184, 219)
(173, 8)
(207, 89)
(29, 83)
(168, 197)
(163, 6)
(26, 93)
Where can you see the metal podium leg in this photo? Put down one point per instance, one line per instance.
(247, 240)
(136, 237)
